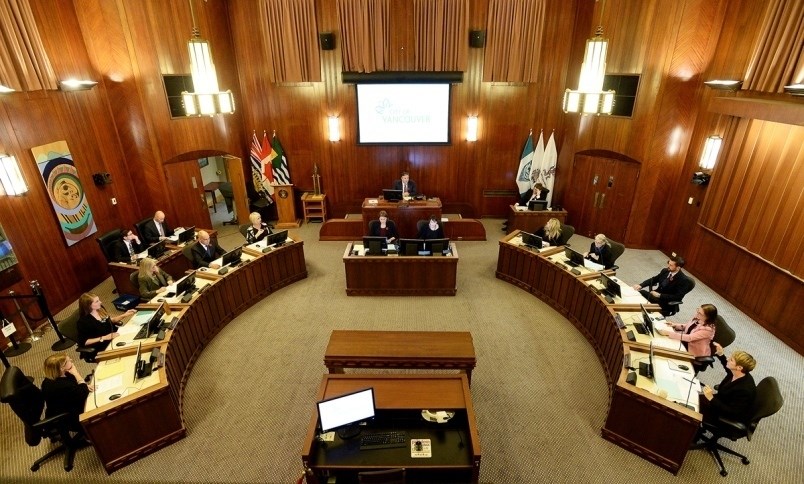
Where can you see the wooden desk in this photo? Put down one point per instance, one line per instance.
(173, 262)
(129, 428)
(439, 350)
(400, 275)
(532, 221)
(210, 188)
(404, 214)
(639, 421)
(456, 445)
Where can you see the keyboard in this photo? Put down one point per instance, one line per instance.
(383, 440)
(142, 332)
(570, 263)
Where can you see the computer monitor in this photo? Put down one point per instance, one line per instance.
(277, 238)
(392, 195)
(374, 244)
(155, 251)
(341, 412)
(647, 320)
(531, 240)
(187, 235)
(646, 369)
(612, 288)
(186, 284)
(232, 257)
(155, 321)
(410, 246)
(575, 258)
(537, 205)
(436, 246)
(138, 363)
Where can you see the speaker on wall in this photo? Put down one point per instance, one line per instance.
(101, 179)
(327, 40)
(477, 38)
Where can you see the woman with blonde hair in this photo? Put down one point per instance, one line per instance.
(64, 389)
(152, 279)
(95, 327)
(551, 232)
(258, 229)
(599, 251)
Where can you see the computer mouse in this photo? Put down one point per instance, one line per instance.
(120, 344)
(114, 396)
(683, 367)
(161, 299)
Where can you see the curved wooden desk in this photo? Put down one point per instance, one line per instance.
(138, 424)
(647, 425)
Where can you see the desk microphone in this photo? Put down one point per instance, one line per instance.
(95, 391)
(689, 392)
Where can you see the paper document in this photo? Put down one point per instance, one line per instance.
(173, 238)
(107, 370)
(128, 329)
(628, 291)
(143, 254)
(109, 384)
(593, 265)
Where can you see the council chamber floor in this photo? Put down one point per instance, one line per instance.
(538, 389)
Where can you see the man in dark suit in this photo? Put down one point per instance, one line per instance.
(538, 192)
(205, 251)
(127, 247)
(671, 285)
(407, 185)
(156, 229)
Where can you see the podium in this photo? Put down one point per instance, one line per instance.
(284, 195)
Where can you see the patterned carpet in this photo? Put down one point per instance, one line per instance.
(538, 389)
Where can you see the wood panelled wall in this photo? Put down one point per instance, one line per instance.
(123, 126)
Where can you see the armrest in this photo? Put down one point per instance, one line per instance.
(52, 421)
(705, 360)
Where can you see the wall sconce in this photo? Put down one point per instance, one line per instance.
(710, 152)
(724, 85)
(4, 89)
(795, 89)
(76, 85)
(11, 177)
(471, 128)
(334, 128)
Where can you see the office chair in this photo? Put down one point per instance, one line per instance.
(27, 401)
(228, 196)
(388, 476)
(375, 224)
(724, 336)
(616, 249)
(140, 226)
(420, 225)
(243, 229)
(106, 243)
(768, 401)
(187, 250)
(673, 306)
(69, 328)
(567, 231)
(134, 277)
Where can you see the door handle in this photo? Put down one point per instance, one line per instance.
(597, 199)
(602, 199)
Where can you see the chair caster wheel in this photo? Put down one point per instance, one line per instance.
(746, 461)
(724, 473)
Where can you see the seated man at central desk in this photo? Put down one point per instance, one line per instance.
(156, 229)
(405, 184)
(127, 248)
(205, 251)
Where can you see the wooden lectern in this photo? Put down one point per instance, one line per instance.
(284, 195)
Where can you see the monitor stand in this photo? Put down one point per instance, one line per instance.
(349, 432)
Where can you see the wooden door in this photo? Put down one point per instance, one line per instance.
(601, 194)
(234, 168)
(187, 194)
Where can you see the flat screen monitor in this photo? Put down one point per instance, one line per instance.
(232, 257)
(611, 286)
(187, 235)
(403, 113)
(531, 240)
(155, 320)
(392, 195)
(344, 410)
(575, 257)
(138, 363)
(375, 245)
(276, 239)
(155, 251)
(647, 320)
(410, 246)
(436, 246)
(537, 205)
(186, 284)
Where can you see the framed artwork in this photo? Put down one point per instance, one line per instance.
(202, 162)
(66, 192)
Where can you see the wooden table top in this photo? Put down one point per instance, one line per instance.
(401, 344)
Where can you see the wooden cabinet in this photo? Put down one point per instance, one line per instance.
(314, 206)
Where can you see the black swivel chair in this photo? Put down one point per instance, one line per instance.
(27, 401)
(69, 328)
(375, 224)
(388, 476)
(419, 225)
(673, 306)
(567, 231)
(616, 249)
(243, 229)
(187, 250)
(140, 226)
(134, 277)
(106, 243)
(768, 401)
